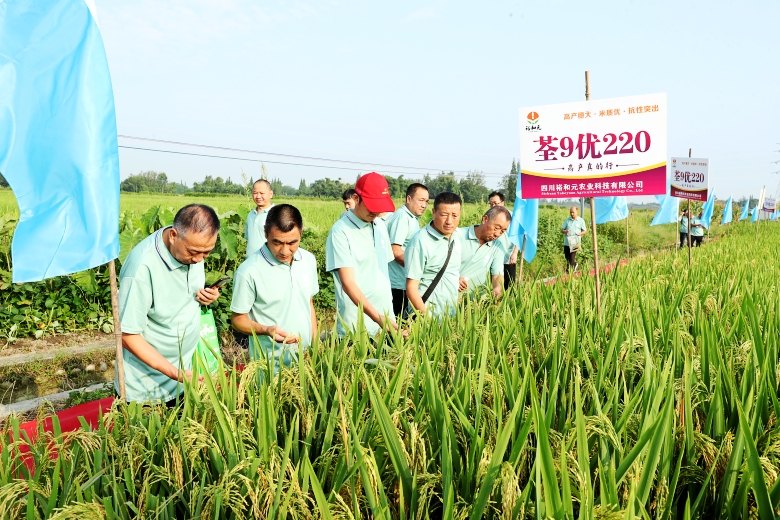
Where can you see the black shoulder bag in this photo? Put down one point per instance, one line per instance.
(436, 279)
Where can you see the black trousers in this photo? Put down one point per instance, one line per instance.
(571, 257)
(510, 273)
(696, 241)
(683, 239)
(399, 301)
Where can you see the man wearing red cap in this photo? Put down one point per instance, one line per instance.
(357, 253)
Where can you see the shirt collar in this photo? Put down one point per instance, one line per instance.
(435, 234)
(415, 217)
(170, 262)
(471, 234)
(359, 224)
(266, 210)
(271, 259)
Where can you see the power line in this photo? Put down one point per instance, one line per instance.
(269, 162)
(240, 150)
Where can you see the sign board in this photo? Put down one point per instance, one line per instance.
(597, 148)
(770, 204)
(689, 178)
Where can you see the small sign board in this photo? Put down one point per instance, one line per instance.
(770, 204)
(605, 147)
(689, 178)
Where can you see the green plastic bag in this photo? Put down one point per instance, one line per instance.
(208, 345)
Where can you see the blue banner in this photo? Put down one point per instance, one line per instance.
(727, 216)
(525, 221)
(58, 139)
(668, 212)
(610, 209)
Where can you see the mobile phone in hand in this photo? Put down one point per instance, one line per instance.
(219, 283)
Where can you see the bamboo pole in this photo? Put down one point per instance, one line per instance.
(690, 260)
(593, 220)
(119, 363)
(521, 258)
(628, 252)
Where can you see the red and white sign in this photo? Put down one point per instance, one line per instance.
(689, 178)
(597, 148)
(770, 204)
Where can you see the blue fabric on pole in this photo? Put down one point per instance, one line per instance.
(707, 209)
(610, 209)
(727, 212)
(745, 210)
(668, 212)
(754, 214)
(525, 221)
(58, 139)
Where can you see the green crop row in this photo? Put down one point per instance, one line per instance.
(662, 405)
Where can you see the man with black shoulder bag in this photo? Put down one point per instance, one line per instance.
(432, 261)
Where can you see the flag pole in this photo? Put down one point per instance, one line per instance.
(522, 258)
(119, 365)
(690, 261)
(628, 253)
(593, 219)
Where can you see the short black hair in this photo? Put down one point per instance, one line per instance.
(446, 197)
(284, 217)
(263, 181)
(495, 211)
(348, 193)
(412, 189)
(196, 218)
(497, 194)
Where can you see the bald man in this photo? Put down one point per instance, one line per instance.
(572, 226)
(255, 221)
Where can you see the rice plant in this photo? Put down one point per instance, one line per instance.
(663, 405)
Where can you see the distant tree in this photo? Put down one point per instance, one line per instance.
(218, 185)
(150, 182)
(327, 188)
(441, 183)
(508, 185)
(303, 190)
(472, 187)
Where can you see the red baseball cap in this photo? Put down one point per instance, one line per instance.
(374, 191)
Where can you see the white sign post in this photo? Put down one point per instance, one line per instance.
(596, 148)
(690, 178)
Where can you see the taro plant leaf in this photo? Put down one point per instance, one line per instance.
(128, 239)
(228, 242)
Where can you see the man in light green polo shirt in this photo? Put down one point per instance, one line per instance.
(697, 229)
(357, 252)
(160, 294)
(426, 255)
(401, 227)
(481, 251)
(273, 291)
(255, 220)
(511, 251)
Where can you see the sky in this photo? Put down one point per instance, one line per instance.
(428, 86)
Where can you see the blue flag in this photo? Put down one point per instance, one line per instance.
(727, 213)
(754, 214)
(668, 212)
(707, 209)
(610, 209)
(745, 210)
(58, 139)
(525, 221)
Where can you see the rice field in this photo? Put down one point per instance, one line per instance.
(662, 405)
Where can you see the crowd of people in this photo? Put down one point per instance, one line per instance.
(387, 269)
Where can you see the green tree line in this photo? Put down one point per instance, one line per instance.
(470, 187)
